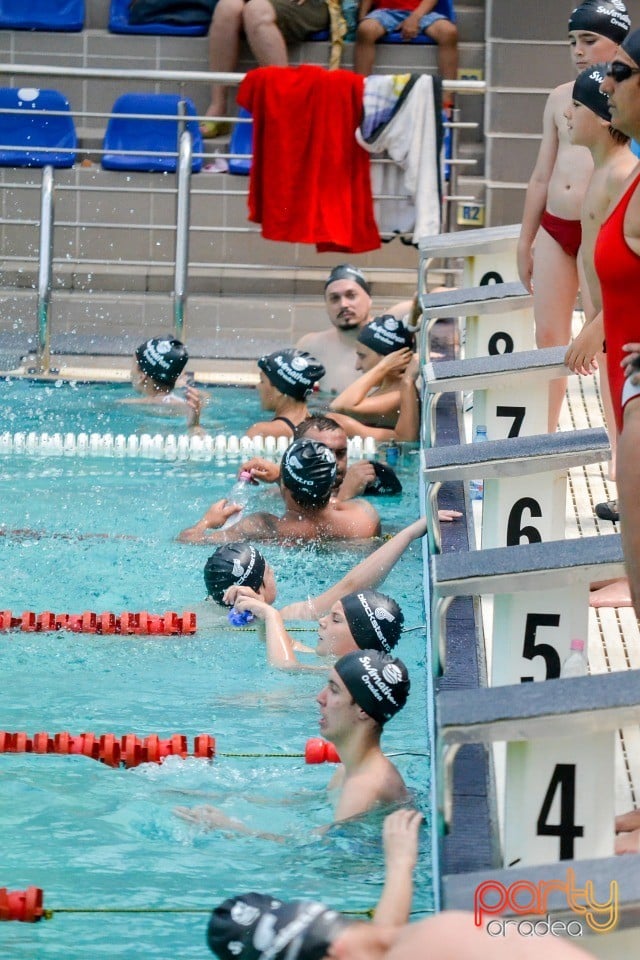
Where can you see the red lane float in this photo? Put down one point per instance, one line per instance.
(23, 905)
(318, 750)
(127, 751)
(142, 624)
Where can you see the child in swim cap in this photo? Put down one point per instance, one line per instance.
(384, 349)
(156, 367)
(287, 378)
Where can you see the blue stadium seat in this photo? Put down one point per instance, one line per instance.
(126, 133)
(119, 23)
(242, 144)
(33, 131)
(445, 7)
(61, 15)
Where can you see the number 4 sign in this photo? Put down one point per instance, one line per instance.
(559, 801)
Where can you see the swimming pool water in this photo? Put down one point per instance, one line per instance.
(102, 839)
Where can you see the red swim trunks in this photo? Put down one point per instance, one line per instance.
(568, 233)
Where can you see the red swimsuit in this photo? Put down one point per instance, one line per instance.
(618, 268)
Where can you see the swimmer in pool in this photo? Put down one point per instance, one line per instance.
(288, 377)
(255, 926)
(308, 474)
(155, 371)
(364, 690)
(240, 570)
(384, 349)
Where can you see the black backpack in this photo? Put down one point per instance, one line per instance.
(182, 12)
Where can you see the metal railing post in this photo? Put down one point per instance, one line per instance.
(183, 209)
(44, 270)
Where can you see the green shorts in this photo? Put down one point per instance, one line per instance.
(296, 21)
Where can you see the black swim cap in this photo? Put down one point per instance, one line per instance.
(346, 271)
(608, 18)
(631, 46)
(163, 359)
(385, 334)
(386, 483)
(293, 372)
(233, 563)
(586, 90)
(258, 927)
(374, 619)
(308, 471)
(377, 682)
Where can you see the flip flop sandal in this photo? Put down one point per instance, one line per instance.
(608, 510)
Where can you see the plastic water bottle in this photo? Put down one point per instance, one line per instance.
(240, 493)
(576, 663)
(476, 487)
(239, 618)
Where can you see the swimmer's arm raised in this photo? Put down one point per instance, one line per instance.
(400, 840)
(369, 573)
(408, 425)
(355, 398)
(215, 517)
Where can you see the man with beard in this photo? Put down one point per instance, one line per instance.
(347, 298)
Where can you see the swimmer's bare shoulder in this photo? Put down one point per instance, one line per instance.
(358, 517)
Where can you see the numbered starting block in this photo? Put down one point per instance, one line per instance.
(489, 254)
(558, 795)
(510, 392)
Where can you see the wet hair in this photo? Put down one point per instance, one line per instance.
(618, 136)
(317, 423)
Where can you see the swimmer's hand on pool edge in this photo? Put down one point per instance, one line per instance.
(213, 519)
(448, 516)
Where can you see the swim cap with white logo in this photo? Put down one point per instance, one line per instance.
(377, 682)
(608, 18)
(385, 334)
(374, 619)
(258, 927)
(162, 359)
(233, 563)
(292, 372)
(586, 90)
(308, 471)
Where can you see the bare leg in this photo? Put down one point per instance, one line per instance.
(627, 474)
(445, 35)
(610, 421)
(224, 45)
(555, 288)
(264, 36)
(364, 52)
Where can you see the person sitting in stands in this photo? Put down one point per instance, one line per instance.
(268, 26)
(307, 479)
(383, 352)
(347, 298)
(364, 690)
(409, 17)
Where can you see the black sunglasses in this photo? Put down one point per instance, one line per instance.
(619, 71)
